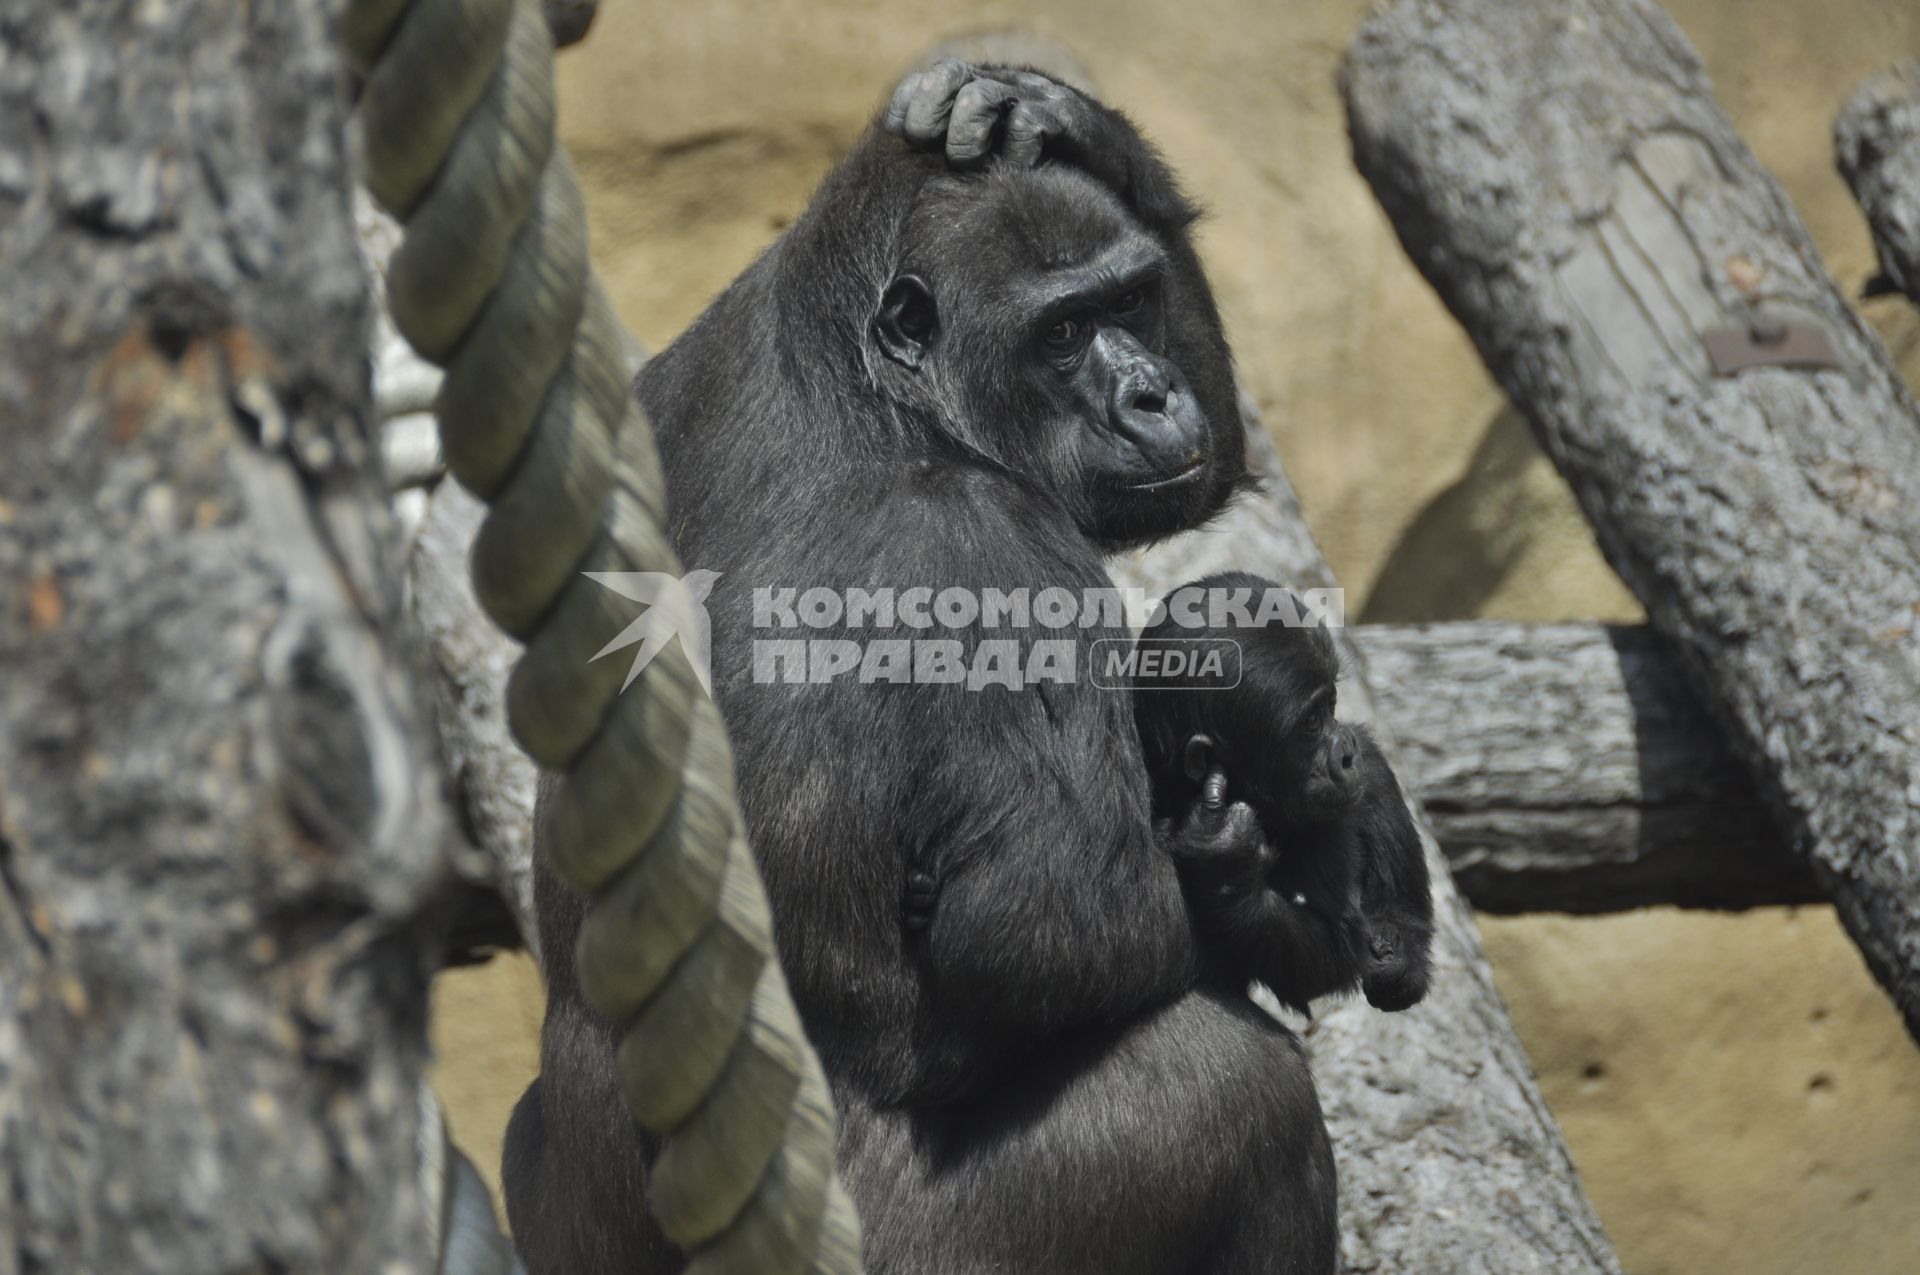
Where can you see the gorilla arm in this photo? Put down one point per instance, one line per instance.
(1301, 948)
(1395, 894)
(1057, 907)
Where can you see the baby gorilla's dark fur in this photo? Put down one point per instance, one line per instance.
(1337, 897)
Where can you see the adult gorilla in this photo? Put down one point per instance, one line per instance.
(986, 356)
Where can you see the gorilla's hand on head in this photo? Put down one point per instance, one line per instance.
(972, 113)
(1219, 849)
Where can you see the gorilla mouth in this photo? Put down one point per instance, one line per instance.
(1180, 479)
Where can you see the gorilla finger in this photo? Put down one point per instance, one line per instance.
(1227, 836)
(895, 120)
(932, 101)
(1058, 97)
(1213, 793)
(1029, 125)
(977, 111)
(1241, 825)
(1037, 81)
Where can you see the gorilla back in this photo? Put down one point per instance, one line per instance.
(984, 358)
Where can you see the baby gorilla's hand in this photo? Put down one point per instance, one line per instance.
(1218, 846)
(972, 113)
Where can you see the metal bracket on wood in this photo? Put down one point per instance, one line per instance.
(1768, 340)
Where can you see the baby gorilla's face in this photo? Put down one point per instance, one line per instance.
(1313, 768)
(1275, 734)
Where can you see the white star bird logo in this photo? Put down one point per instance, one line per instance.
(675, 605)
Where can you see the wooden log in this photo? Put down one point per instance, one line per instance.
(1448, 1158)
(1876, 143)
(1561, 173)
(1570, 768)
(222, 848)
(469, 659)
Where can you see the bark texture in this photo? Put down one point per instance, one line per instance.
(494, 782)
(1569, 768)
(221, 867)
(1561, 173)
(1876, 142)
(1449, 1160)
(468, 656)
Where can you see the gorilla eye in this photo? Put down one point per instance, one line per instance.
(1063, 334)
(916, 322)
(1132, 300)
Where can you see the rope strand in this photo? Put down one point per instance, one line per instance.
(492, 282)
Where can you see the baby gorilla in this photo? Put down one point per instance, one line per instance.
(1337, 896)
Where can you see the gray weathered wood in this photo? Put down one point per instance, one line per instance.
(493, 780)
(1561, 173)
(1570, 768)
(219, 862)
(468, 656)
(1876, 142)
(1449, 1160)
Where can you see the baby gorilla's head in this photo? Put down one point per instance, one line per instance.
(1347, 869)
(1273, 729)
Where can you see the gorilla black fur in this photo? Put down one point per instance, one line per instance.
(985, 356)
(1338, 897)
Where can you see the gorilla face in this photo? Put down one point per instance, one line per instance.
(1314, 760)
(1039, 327)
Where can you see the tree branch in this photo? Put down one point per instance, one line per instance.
(1561, 173)
(1569, 768)
(1876, 142)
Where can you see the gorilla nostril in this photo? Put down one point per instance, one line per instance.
(1150, 400)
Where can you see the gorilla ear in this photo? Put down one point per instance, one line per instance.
(908, 321)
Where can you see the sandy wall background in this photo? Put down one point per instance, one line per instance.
(1739, 1095)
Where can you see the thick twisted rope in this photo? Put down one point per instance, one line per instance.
(492, 283)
